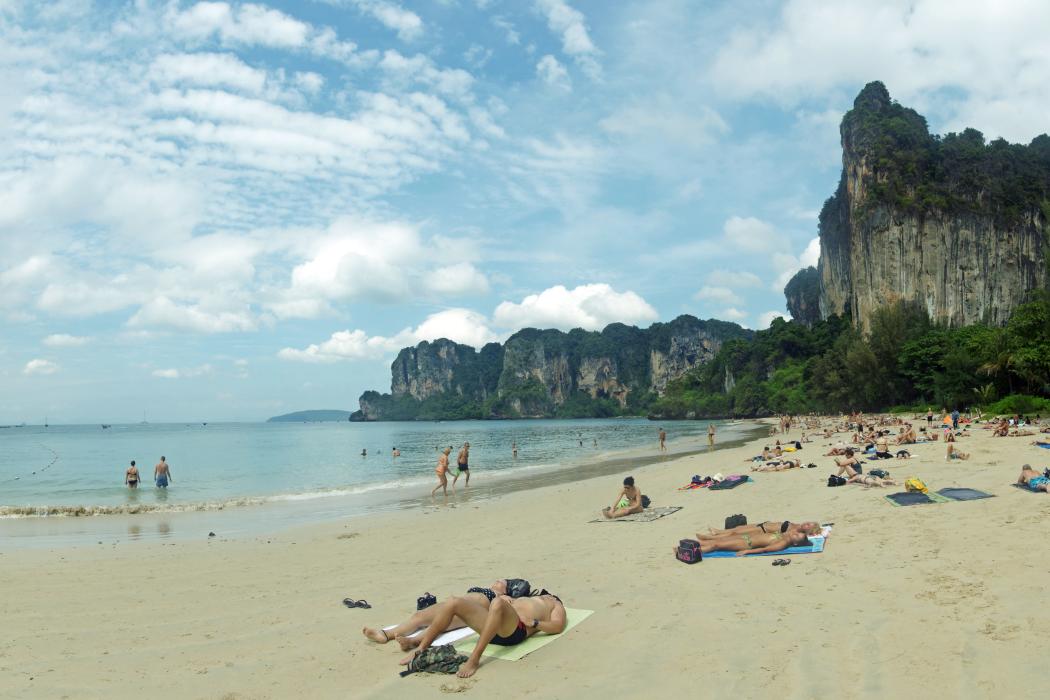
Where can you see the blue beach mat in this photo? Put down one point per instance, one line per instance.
(963, 494)
(815, 548)
(915, 498)
(1044, 445)
(1025, 488)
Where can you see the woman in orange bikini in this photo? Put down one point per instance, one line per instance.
(442, 469)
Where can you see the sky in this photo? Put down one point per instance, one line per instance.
(228, 211)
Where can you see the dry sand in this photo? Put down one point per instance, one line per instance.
(933, 601)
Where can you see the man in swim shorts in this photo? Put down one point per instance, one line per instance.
(162, 474)
(131, 476)
(663, 440)
(1033, 479)
(463, 462)
(628, 501)
(505, 622)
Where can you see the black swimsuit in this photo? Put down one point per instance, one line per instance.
(519, 635)
(783, 526)
(487, 592)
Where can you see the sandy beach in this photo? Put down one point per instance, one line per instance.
(940, 600)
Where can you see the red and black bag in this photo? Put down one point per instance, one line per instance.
(689, 551)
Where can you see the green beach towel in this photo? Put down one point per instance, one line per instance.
(520, 651)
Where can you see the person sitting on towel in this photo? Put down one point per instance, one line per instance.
(1035, 481)
(753, 543)
(806, 528)
(424, 618)
(627, 502)
(505, 622)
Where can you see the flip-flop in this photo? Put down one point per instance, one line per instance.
(351, 603)
(781, 562)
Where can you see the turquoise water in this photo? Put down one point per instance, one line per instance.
(80, 469)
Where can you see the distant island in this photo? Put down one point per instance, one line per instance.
(321, 416)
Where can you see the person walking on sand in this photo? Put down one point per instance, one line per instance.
(442, 469)
(710, 434)
(131, 476)
(663, 440)
(463, 463)
(162, 474)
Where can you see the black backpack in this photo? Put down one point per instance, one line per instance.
(518, 588)
(836, 480)
(735, 520)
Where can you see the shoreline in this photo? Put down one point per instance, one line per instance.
(255, 516)
(260, 617)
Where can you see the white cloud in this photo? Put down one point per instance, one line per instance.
(63, 340)
(459, 325)
(570, 24)
(664, 119)
(764, 319)
(207, 69)
(553, 73)
(247, 24)
(734, 279)
(785, 266)
(188, 373)
(162, 312)
(589, 306)
(732, 314)
(750, 234)
(509, 32)
(990, 54)
(39, 366)
(811, 255)
(406, 23)
(721, 295)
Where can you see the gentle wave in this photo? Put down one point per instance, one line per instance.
(79, 511)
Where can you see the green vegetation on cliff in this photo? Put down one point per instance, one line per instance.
(915, 171)
(904, 361)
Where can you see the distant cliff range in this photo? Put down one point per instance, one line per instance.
(954, 225)
(318, 416)
(546, 373)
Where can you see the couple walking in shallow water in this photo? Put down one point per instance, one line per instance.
(161, 475)
(463, 464)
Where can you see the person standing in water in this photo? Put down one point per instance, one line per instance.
(131, 476)
(463, 463)
(442, 469)
(514, 449)
(663, 440)
(395, 452)
(710, 434)
(162, 474)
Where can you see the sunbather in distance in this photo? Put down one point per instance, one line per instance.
(778, 465)
(806, 528)
(753, 543)
(504, 622)
(1035, 481)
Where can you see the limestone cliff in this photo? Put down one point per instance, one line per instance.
(540, 373)
(803, 296)
(953, 224)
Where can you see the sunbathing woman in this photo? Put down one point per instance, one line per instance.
(806, 528)
(423, 618)
(754, 544)
(952, 452)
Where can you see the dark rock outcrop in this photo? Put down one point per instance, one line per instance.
(803, 296)
(541, 373)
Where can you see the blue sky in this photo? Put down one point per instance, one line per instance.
(222, 210)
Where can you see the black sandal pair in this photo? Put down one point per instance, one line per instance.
(781, 562)
(351, 603)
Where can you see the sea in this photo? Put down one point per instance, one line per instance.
(65, 484)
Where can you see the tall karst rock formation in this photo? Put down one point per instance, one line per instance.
(951, 223)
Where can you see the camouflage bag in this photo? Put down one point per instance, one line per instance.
(441, 659)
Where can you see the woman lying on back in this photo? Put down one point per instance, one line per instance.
(806, 528)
